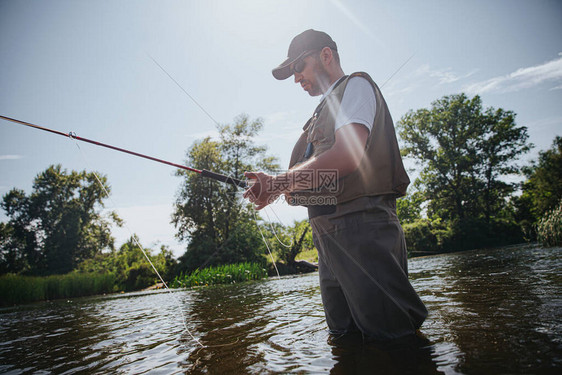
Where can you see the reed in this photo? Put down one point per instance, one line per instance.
(226, 274)
(17, 289)
(549, 229)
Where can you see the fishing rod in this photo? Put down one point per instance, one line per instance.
(72, 135)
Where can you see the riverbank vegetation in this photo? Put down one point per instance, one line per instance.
(130, 266)
(467, 194)
(218, 226)
(470, 191)
(19, 289)
(226, 274)
(57, 226)
(550, 227)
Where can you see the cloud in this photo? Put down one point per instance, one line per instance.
(423, 77)
(444, 76)
(523, 78)
(10, 157)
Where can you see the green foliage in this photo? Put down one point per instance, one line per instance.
(549, 229)
(131, 268)
(464, 151)
(425, 236)
(226, 274)
(287, 242)
(462, 199)
(543, 188)
(57, 226)
(309, 255)
(409, 208)
(218, 226)
(474, 233)
(420, 238)
(18, 289)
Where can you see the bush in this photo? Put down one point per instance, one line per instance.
(549, 229)
(420, 238)
(226, 274)
(130, 267)
(426, 236)
(139, 277)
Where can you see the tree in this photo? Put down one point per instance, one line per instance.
(289, 241)
(543, 188)
(131, 268)
(218, 226)
(409, 208)
(57, 226)
(464, 151)
(500, 147)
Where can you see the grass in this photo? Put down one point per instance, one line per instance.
(549, 229)
(227, 274)
(17, 289)
(310, 255)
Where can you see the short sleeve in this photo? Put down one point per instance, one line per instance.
(358, 104)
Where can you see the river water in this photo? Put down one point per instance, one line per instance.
(490, 312)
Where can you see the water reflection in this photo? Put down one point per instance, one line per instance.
(413, 355)
(279, 325)
(92, 335)
(490, 312)
(228, 324)
(50, 329)
(256, 325)
(498, 325)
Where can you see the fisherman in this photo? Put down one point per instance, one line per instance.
(347, 170)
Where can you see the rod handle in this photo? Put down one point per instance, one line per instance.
(223, 178)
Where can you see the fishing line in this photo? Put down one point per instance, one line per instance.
(246, 185)
(182, 89)
(397, 70)
(380, 287)
(216, 176)
(328, 235)
(256, 219)
(72, 136)
(134, 238)
(266, 244)
(274, 265)
(254, 213)
(216, 122)
(273, 228)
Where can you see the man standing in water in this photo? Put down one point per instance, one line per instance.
(347, 170)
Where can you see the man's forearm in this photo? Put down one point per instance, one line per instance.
(313, 173)
(342, 159)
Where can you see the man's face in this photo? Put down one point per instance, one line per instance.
(313, 78)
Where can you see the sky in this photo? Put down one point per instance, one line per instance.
(88, 67)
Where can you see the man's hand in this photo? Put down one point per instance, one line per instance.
(261, 192)
(344, 156)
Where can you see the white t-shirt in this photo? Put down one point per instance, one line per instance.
(358, 104)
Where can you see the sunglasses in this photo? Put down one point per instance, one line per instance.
(300, 64)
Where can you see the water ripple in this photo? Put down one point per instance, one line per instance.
(496, 311)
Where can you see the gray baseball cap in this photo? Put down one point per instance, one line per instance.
(309, 40)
